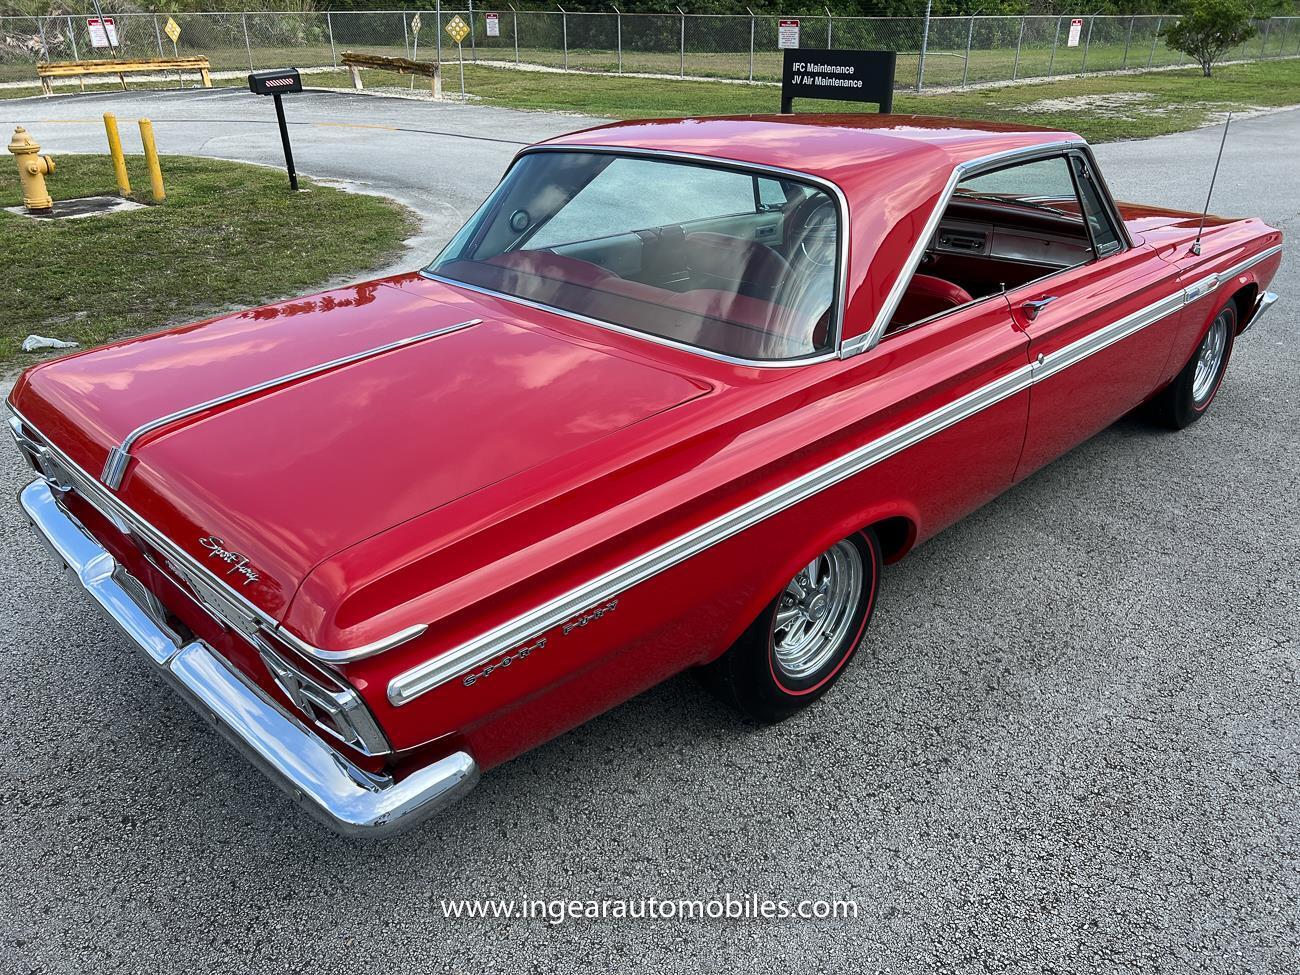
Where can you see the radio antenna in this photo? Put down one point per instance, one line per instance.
(1196, 244)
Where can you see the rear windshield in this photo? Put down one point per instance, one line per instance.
(740, 264)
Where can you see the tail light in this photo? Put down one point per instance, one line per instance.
(327, 703)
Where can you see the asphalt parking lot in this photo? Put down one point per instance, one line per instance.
(1070, 743)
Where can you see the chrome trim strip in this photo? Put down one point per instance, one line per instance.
(424, 677)
(341, 795)
(717, 162)
(128, 520)
(1106, 336)
(120, 456)
(869, 339)
(1265, 302)
(1209, 285)
(416, 681)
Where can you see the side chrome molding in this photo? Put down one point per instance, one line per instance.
(411, 684)
(424, 677)
(120, 456)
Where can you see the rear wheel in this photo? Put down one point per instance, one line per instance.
(1188, 397)
(800, 643)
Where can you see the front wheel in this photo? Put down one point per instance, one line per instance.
(802, 640)
(1185, 400)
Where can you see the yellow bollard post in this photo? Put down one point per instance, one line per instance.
(151, 160)
(115, 150)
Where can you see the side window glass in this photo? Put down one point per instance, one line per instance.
(1105, 238)
(769, 194)
(1001, 230)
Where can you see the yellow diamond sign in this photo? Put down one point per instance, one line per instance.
(457, 29)
(172, 30)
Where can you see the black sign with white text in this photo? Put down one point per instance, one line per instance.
(854, 76)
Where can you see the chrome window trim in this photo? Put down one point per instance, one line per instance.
(120, 456)
(716, 162)
(870, 338)
(444, 667)
(127, 519)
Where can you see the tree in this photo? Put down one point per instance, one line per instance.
(1209, 29)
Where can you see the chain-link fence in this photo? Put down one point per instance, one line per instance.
(932, 51)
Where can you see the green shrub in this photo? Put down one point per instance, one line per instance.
(1210, 29)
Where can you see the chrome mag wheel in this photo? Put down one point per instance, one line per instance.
(1209, 360)
(815, 611)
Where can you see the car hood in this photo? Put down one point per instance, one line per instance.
(264, 488)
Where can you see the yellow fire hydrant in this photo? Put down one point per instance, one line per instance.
(32, 170)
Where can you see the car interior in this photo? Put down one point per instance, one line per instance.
(1004, 229)
(756, 281)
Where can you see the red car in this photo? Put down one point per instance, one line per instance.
(670, 400)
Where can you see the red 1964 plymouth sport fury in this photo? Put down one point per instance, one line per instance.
(669, 400)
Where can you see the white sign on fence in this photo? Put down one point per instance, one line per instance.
(787, 33)
(103, 33)
(1076, 28)
(493, 25)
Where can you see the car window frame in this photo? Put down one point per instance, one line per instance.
(1067, 153)
(839, 298)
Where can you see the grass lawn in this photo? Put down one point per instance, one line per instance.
(228, 235)
(1099, 108)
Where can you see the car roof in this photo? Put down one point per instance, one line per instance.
(831, 146)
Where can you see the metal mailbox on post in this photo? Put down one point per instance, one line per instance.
(280, 81)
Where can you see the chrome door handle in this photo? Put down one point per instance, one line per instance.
(1032, 308)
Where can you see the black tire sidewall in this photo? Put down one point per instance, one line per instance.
(1189, 411)
(754, 677)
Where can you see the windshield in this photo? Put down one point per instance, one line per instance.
(739, 264)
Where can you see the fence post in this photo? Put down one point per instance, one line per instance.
(1263, 47)
(1020, 39)
(618, 26)
(157, 33)
(248, 45)
(683, 46)
(970, 36)
(925, 43)
(564, 27)
(406, 34)
(437, 30)
(828, 27)
(72, 35)
(329, 26)
(473, 34)
(1056, 39)
(1154, 38)
(40, 27)
(514, 20)
(1127, 41)
(751, 44)
(1083, 68)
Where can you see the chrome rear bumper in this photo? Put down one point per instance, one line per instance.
(344, 797)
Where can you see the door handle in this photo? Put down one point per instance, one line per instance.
(1032, 308)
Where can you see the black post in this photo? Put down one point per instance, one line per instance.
(284, 138)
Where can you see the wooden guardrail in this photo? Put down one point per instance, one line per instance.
(429, 69)
(47, 70)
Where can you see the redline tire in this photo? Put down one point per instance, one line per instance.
(800, 644)
(1188, 397)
